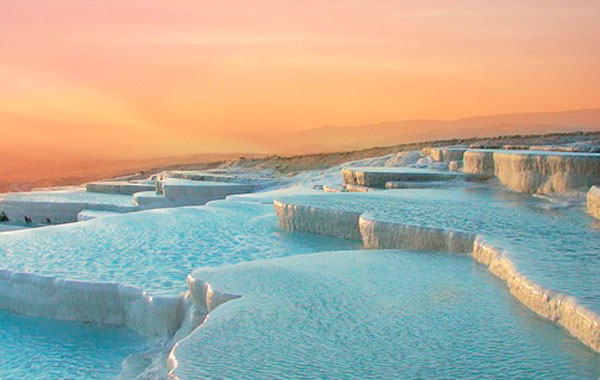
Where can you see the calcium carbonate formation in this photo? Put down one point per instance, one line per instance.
(537, 172)
(593, 201)
(168, 189)
(423, 219)
(546, 258)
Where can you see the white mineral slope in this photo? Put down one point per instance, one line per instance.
(332, 176)
(593, 201)
(536, 172)
(305, 183)
(578, 320)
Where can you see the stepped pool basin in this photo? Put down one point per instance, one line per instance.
(60, 206)
(47, 349)
(557, 247)
(305, 305)
(155, 250)
(373, 314)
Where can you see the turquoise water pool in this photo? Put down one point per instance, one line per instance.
(374, 315)
(392, 314)
(556, 247)
(47, 349)
(155, 250)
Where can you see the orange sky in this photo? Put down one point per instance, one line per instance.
(132, 78)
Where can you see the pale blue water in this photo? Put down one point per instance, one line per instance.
(155, 250)
(558, 248)
(47, 349)
(374, 315)
(12, 226)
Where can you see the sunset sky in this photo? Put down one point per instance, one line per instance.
(141, 78)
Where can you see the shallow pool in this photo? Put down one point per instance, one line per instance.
(374, 315)
(155, 250)
(557, 247)
(47, 349)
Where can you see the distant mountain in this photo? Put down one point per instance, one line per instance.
(336, 138)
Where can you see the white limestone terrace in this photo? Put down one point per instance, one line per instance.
(155, 249)
(526, 240)
(445, 153)
(241, 177)
(593, 201)
(59, 206)
(130, 270)
(379, 177)
(174, 192)
(120, 187)
(546, 172)
(107, 198)
(372, 315)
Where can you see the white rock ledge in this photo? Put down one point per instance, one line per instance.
(578, 320)
(198, 302)
(168, 318)
(119, 187)
(173, 192)
(171, 318)
(536, 172)
(109, 303)
(53, 212)
(322, 221)
(99, 302)
(378, 177)
(593, 201)
(445, 153)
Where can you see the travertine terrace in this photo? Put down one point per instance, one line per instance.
(545, 172)
(252, 239)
